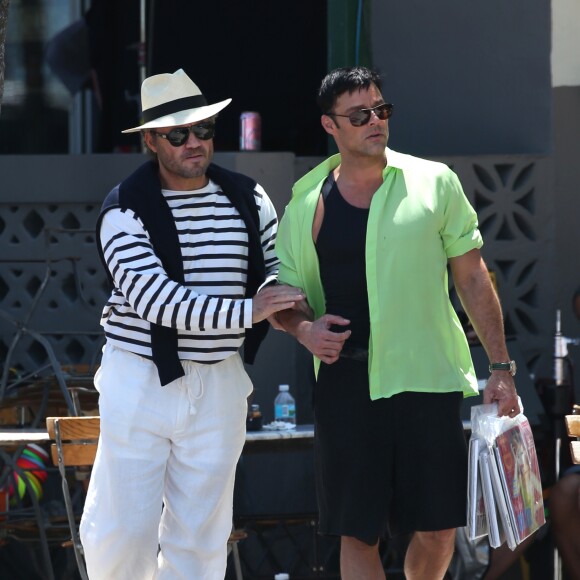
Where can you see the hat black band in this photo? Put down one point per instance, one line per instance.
(173, 107)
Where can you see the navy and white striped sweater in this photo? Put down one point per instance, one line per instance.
(210, 309)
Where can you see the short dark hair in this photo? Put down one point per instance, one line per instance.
(341, 80)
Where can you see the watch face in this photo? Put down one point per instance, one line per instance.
(513, 368)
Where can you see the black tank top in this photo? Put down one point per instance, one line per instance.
(341, 254)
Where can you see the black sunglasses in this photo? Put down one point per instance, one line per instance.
(363, 116)
(178, 136)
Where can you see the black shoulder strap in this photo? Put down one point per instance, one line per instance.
(327, 185)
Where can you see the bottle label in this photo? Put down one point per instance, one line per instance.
(285, 412)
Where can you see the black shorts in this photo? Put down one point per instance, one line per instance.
(390, 466)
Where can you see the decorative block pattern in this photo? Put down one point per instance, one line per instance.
(51, 282)
(513, 200)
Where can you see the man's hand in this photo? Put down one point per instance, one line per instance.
(500, 389)
(320, 340)
(272, 299)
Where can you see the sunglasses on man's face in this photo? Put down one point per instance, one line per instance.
(363, 116)
(178, 136)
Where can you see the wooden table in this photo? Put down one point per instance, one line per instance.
(265, 440)
(10, 438)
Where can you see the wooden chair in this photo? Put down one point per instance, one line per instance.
(573, 428)
(74, 445)
(235, 537)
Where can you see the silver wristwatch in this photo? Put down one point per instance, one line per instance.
(504, 366)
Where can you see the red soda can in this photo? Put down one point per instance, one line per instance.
(250, 131)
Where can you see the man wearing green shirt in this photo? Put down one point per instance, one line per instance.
(368, 235)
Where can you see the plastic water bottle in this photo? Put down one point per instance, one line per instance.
(285, 406)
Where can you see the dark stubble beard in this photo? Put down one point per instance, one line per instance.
(188, 171)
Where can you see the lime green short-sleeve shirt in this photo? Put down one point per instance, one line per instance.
(418, 219)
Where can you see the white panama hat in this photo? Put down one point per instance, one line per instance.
(170, 100)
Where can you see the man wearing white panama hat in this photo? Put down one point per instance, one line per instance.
(189, 248)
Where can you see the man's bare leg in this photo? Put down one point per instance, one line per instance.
(359, 561)
(429, 554)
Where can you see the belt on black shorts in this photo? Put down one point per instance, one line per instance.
(354, 353)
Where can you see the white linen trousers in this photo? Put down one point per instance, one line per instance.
(160, 497)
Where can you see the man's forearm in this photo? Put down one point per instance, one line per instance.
(483, 308)
(293, 320)
(481, 304)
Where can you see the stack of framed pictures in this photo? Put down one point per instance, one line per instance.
(505, 498)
